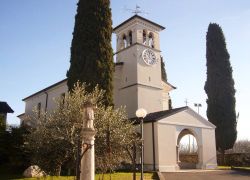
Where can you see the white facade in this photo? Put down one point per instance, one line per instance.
(138, 84)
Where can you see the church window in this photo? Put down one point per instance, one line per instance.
(62, 101)
(149, 78)
(144, 34)
(151, 40)
(63, 98)
(124, 38)
(130, 38)
(39, 109)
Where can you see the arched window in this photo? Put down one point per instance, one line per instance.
(130, 38)
(124, 38)
(151, 40)
(144, 37)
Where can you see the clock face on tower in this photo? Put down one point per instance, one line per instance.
(149, 57)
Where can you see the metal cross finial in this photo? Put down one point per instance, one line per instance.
(137, 10)
(186, 101)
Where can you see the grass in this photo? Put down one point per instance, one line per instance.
(229, 167)
(224, 167)
(126, 176)
(114, 176)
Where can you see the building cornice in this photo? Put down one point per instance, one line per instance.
(140, 44)
(139, 84)
(45, 89)
(138, 19)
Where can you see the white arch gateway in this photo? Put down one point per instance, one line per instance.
(163, 131)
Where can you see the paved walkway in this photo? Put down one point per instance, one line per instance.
(206, 175)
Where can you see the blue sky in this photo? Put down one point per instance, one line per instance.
(35, 40)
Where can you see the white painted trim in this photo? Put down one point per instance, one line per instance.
(198, 116)
(189, 111)
(187, 125)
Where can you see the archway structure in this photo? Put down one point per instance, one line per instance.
(163, 131)
(187, 151)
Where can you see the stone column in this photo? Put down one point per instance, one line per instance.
(88, 159)
(88, 138)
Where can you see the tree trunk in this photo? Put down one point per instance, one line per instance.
(58, 170)
(134, 161)
(78, 160)
(223, 157)
(132, 154)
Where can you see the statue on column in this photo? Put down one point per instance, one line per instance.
(88, 137)
(88, 115)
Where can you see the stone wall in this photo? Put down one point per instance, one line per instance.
(188, 161)
(191, 158)
(235, 159)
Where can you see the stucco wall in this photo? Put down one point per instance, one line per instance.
(167, 157)
(148, 144)
(53, 93)
(208, 149)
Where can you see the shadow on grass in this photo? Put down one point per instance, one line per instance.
(7, 173)
(240, 171)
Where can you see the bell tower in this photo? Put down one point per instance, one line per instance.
(137, 80)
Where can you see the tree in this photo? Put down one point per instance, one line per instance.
(13, 157)
(91, 59)
(220, 90)
(241, 146)
(115, 136)
(54, 139)
(163, 70)
(164, 78)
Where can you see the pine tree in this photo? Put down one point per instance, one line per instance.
(91, 52)
(220, 89)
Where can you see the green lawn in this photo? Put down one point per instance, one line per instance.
(114, 176)
(224, 167)
(229, 167)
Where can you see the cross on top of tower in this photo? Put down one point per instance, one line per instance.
(137, 10)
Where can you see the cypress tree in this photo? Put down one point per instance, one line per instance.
(220, 90)
(163, 70)
(91, 59)
(164, 78)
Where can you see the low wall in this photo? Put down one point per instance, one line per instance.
(235, 159)
(190, 158)
(188, 161)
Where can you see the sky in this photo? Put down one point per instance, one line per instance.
(35, 41)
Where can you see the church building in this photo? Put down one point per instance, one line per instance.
(138, 84)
